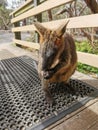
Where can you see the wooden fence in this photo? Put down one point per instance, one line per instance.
(35, 8)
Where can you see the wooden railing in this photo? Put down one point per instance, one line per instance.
(34, 8)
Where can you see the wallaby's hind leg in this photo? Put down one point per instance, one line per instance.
(69, 87)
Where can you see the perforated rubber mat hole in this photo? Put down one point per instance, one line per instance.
(22, 101)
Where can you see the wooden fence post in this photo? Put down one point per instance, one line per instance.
(17, 35)
(38, 18)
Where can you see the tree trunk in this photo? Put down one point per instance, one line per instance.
(50, 15)
(4, 23)
(93, 5)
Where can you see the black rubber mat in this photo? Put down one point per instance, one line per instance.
(22, 101)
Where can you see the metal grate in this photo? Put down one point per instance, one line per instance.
(22, 101)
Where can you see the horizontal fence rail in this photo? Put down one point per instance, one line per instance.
(76, 22)
(22, 7)
(27, 44)
(90, 59)
(25, 11)
(85, 58)
(41, 8)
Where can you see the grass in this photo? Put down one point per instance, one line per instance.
(87, 48)
(87, 69)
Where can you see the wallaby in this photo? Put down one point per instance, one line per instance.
(57, 56)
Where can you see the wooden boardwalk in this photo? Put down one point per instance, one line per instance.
(85, 118)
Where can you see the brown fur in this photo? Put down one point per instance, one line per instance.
(64, 60)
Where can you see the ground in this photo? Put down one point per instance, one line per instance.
(85, 118)
(7, 36)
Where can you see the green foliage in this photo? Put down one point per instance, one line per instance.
(86, 68)
(3, 3)
(4, 17)
(85, 47)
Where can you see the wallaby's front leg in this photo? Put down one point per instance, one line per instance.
(45, 85)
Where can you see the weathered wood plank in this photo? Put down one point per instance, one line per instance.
(94, 126)
(89, 59)
(41, 8)
(24, 28)
(28, 7)
(27, 44)
(62, 121)
(21, 7)
(85, 120)
(76, 22)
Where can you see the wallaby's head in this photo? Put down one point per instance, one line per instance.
(51, 46)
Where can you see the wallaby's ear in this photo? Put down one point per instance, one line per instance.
(40, 28)
(61, 30)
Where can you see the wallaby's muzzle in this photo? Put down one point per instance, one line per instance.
(48, 74)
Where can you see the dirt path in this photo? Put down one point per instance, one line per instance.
(5, 37)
